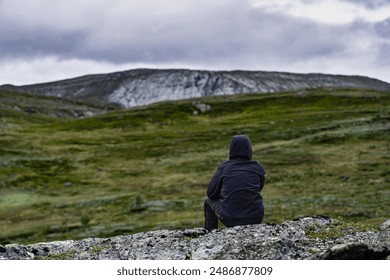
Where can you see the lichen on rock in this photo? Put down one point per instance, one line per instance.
(316, 237)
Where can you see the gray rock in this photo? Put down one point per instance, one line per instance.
(385, 225)
(357, 251)
(201, 106)
(304, 238)
(16, 252)
(385, 232)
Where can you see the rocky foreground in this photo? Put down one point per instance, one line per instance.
(314, 237)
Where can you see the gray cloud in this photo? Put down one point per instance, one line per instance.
(383, 59)
(248, 32)
(371, 4)
(383, 28)
(213, 34)
(19, 44)
(210, 32)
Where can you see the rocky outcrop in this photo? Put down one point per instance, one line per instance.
(315, 237)
(145, 86)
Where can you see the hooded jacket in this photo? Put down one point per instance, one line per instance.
(237, 184)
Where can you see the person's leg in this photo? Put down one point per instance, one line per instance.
(212, 211)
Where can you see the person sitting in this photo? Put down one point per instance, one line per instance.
(234, 191)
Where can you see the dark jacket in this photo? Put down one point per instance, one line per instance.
(237, 183)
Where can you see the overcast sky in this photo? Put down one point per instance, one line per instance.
(47, 40)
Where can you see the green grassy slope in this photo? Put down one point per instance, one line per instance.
(17, 107)
(325, 152)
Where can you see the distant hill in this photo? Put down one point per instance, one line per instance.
(145, 86)
(20, 104)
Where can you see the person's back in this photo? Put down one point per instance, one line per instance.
(234, 191)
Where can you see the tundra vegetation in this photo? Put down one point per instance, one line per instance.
(325, 151)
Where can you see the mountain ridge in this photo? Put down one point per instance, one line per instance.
(138, 87)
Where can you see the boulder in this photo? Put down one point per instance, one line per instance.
(316, 237)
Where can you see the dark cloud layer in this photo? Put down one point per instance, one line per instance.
(369, 4)
(20, 44)
(383, 28)
(229, 33)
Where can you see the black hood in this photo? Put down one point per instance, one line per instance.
(240, 148)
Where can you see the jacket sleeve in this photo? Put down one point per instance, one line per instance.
(262, 177)
(214, 189)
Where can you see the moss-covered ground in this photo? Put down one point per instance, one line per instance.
(326, 152)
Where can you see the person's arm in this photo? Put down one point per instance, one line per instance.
(214, 189)
(262, 177)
